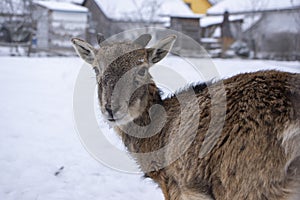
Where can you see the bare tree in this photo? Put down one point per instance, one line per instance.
(146, 12)
(17, 22)
(14, 9)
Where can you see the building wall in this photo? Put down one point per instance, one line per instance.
(98, 22)
(108, 27)
(190, 27)
(64, 26)
(276, 35)
(41, 15)
(56, 28)
(198, 6)
(70, 16)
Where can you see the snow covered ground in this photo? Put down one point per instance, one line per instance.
(41, 157)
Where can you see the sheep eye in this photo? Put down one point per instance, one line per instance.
(142, 72)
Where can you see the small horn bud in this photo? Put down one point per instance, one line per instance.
(100, 38)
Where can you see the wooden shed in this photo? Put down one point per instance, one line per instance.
(57, 23)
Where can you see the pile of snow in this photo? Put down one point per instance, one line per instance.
(41, 157)
(143, 10)
(237, 6)
(61, 6)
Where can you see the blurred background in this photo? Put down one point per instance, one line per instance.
(41, 155)
(256, 29)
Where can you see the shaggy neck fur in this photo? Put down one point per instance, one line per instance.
(141, 135)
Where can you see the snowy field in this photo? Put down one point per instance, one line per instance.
(41, 157)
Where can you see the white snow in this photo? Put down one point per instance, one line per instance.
(61, 6)
(38, 134)
(143, 10)
(209, 40)
(38, 137)
(248, 21)
(237, 6)
(217, 33)
(215, 20)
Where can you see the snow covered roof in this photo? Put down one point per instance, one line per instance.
(195, 16)
(213, 2)
(75, 1)
(143, 10)
(214, 20)
(61, 6)
(240, 6)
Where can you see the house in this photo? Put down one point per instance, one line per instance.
(271, 28)
(57, 23)
(111, 18)
(198, 6)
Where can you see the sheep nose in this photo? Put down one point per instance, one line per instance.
(109, 111)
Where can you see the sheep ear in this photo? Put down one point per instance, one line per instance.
(143, 40)
(86, 51)
(161, 49)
